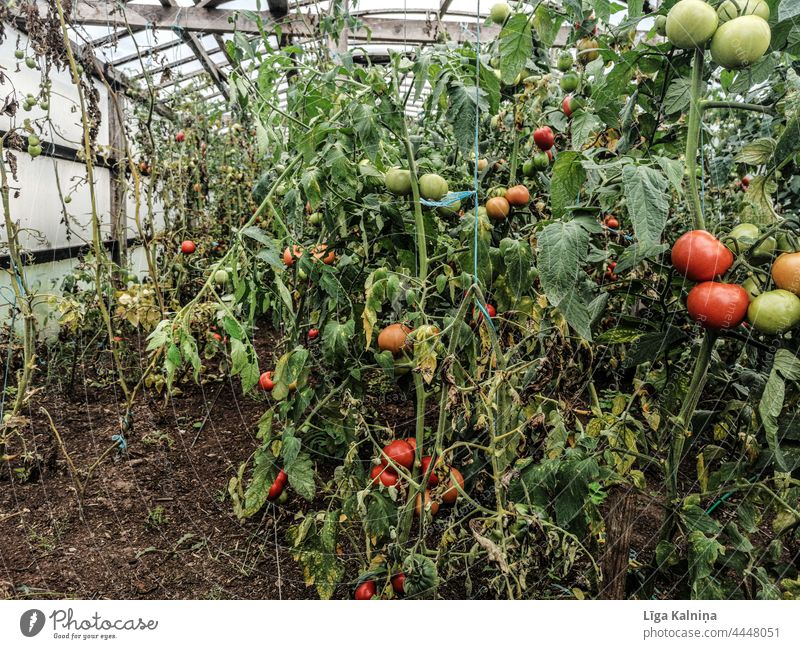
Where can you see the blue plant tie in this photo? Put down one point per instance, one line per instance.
(451, 198)
(120, 440)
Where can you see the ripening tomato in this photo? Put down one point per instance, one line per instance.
(188, 247)
(425, 463)
(518, 195)
(398, 583)
(450, 496)
(774, 312)
(498, 208)
(429, 503)
(180, 136)
(292, 255)
(365, 590)
(266, 382)
(699, 256)
(384, 475)
(566, 106)
(718, 306)
(400, 453)
(544, 138)
(786, 272)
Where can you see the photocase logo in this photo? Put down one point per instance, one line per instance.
(31, 622)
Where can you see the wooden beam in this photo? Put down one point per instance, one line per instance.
(217, 76)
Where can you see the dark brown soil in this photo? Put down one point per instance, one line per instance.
(156, 524)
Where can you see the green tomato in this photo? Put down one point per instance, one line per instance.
(432, 186)
(741, 42)
(315, 218)
(754, 285)
(565, 62)
(541, 161)
(30, 62)
(784, 243)
(19, 54)
(569, 82)
(34, 140)
(499, 12)
(398, 181)
(449, 210)
(744, 236)
(661, 25)
(690, 24)
(221, 277)
(67, 199)
(528, 168)
(34, 150)
(731, 9)
(774, 312)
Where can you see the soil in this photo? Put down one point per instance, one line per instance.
(155, 524)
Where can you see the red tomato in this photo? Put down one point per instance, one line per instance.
(266, 382)
(398, 583)
(188, 247)
(450, 496)
(746, 181)
(366, 590)
(718, 306)
(282, 477)
(313, 333)
(544, 138)
(412, 442)
(491, 310)
(550, 154)
(700, 256)
(275, 490)
(400, 453)
(180, 136)
(612, 223)
(425, 462)
(217, 337)
(612, 265)
(384, 475)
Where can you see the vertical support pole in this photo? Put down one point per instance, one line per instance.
(119, 216)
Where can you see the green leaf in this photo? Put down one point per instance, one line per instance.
(547, 25)
(678, 95)
(290, 447)
(465, 102)
(264, 474)
(703, 554)
(301, 476)
(674, 171)
(646, 192)
(381, 513)
(568, 177)
(638, 252)
(518, 260)
(315, 549)
(757, 206)
(619, 335)
(757, 152)
(584, 126)
(576, 312)
(244, 363)
(516, 46)
(310, 184)
(161, 335)
(785, 367)
(562, 249)
(336, 340)
(366, 126)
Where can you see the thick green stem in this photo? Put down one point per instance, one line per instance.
(756, 108)
(693, 140)
(514, 159)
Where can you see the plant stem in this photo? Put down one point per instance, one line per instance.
(693, 139)
(768, 110)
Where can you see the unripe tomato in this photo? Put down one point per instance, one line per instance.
(744, 236)
(398, 583)
(432, 187)
(587, 50)
(398, 181)
(691, 23)
(221, 277)
(383, 474)
(741, 42)
(541, 161)
(528, 168)
(753, 287)
(786, 272)
(729, 9)
(313, 334)
(499, 12)
(400, 453)
(718, 306)
(699, 256)
(518, 196)
(544, 138)
(419, 506)
(497, 208)
(393, 338)
(774, 312)
(569, 82)
(365, 590)
(265, 381)
(450, 496)
(425, 462)
(565, 62)
(661, 25)
(188, 247)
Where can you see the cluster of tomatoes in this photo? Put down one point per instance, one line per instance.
(701, 257)
(367, 589)
(499, 206)
(400, 453)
